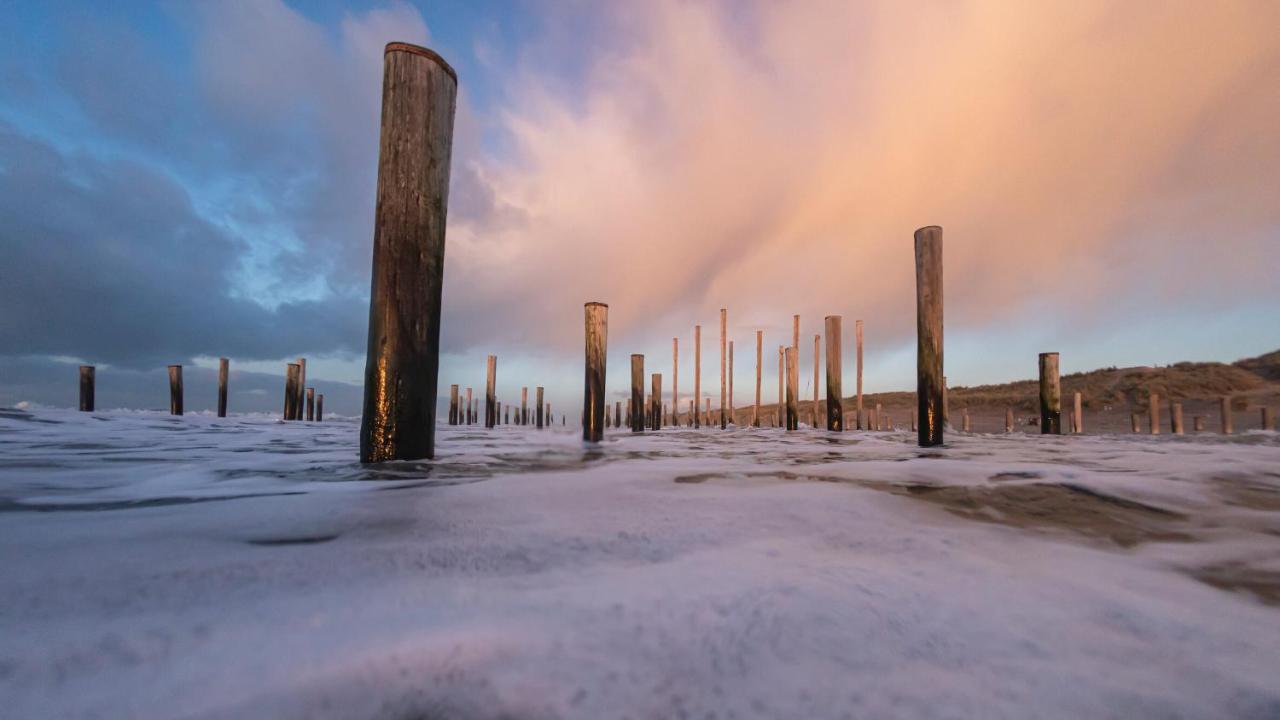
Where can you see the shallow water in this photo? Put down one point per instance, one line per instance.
(243, 567)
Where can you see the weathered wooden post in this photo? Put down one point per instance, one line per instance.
(817, 355)
(491, 392)
(1197, 423)
(453, 404)
(913, 419)
(320, 407)
(1078, 413)
(87, 375)
(550, 419)
(697, 370)
(506, 415)
(1224, 409)
(724, 358)
(675, 380)
(1008, 419)
(290, 388)
(780, 415)
(795, 343)
(617, 414)
(524, 405)
(175, 389)
(470, 406)
(597, 342)
(929, 382)
(419, 92)
(857, 337)
(835, 411)
(965, 422)
(1050, 395)
(655, 402)
(541, 418)
(732, 417)
(1268, 422)
(302, 384)
(1153, 407)
(707, 414)
(755, 411)
(1133, 417)
(1175, 418)
(637, 392)
(793, 376)
(879, 417)
(224, 370)
(691, 413)
(311, 404)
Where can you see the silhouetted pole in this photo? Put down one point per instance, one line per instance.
(524, 405)
(732, 419)
(1153, 407)
(506, 415)
(224, 370)
(311, 404)
(835, 409)
(617, 414)
(793, 374)
(655, 402)
(1008, 419)
(290, 388)
(542, 418)
(724, 358)
(175, 389)
(470, 408)
(87, 375)
(697, 371)
(755, 412)
(302, 384)
(1224, 408)
(596, 321)
(675, 380)
(857, 336)
(453, 404)
(1050, 395)
(637, 392)
(817, 356)
(491, 392)
(1077, 407)
(419, 92)
(1175, 418)
(780, 415)
(320, 407)
(929, 382)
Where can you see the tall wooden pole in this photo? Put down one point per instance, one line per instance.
(782, 386)
(1153, 410)
(537, 391)
(224, 371)
(320, 407)
(1268, 422)
(697, 371)
(302, 384)
(755, 412)
(470, 408)
(817, 357)
(637, 392)
(175, 389)
(1008, 419)
(795, 339)
(491, 392)
(1224, 409)
(87, 376)
(453, 404)
(793, 376)
(597, 346)
(1175, 418)
(290, 388)
(724, 358)
(835, 408)
(311, 404)
(732, 418)
(1050, 395)
(419, 92)
(929, 383)
(524, 405)
(675, 379)
(655, 402)
(857, 338)
(1078, 409)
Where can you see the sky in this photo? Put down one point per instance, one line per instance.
(183, 181)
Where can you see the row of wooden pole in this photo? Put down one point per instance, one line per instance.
(469, 413)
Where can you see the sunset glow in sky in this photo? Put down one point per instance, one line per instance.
(182, 181)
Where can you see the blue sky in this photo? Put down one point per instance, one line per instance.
(180, 181)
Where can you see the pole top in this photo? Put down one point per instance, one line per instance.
(427, 53)
(597, 304)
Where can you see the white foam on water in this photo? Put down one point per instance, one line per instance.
(243, 567)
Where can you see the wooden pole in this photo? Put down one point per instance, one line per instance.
(597, 335)
(782, 385)
(724, 358)
(637, 392)
(1008, 419)
(655, 402)
(224, 371)
(732, 417)
(419, 92)
(793, 376)
(755, 411)
(817, 356)
(491, 392)
(524, 406)
(311, 404)
(966, 419)
(87, 376)
(1153, 408)
(175, 389)
(320, 407)
(542, 418)
(929, 367)
(1197, 423)
(675, 379)
(1050, 395)
(835, 409)
(1133, 417)
(1268, 422)
(1175, 417)
(290, 388)
(1077, 413)
(697, 371)
(453, 404)
(506, 415)
(1224, 409)
(795, 341)
(857, 338)
(302, 384)
(879, 419)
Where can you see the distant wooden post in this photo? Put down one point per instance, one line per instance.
(913, 419)
(1197, 423)
(755, 411)
(524, 406)
(290, 388)
(857, 339)
(782, 385)
(1175, 418)
(795, 343)
(655, 402)
(617, 414)
(87, 374)
(1050, 395)
(453, 404)
(470, 408)
(506, 415)
(541, 419)
(966, 419)
(817, 356)
(224, 370)
(597, 335)
(1268, 422)
(707, 415)
(1153, 407)
(697, 370)
(1133, 416)
(1224, 408)
(724, 358)
(732, 417)
(879, 417)
(835, 409)
(675, 379)
(302, 384)
(320, 407)
(419, 90)
(311, 404)
(1071, 420)
(692, 412)
(175, 389)
(1008, 419)
(636, 408)
(1078, 409)
(793, 374)
(929, 382)
(491, 392)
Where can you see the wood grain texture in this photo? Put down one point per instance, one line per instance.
(596, 331)
(929, 366)
(1050, 395)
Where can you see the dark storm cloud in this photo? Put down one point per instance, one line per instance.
(108, 261)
